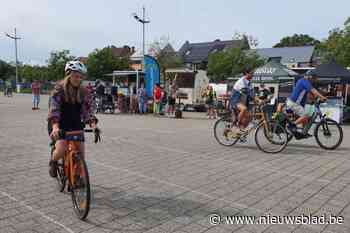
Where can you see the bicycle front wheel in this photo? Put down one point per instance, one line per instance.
(223, 131)
(271, 137)
(80, 189)
(328, 134)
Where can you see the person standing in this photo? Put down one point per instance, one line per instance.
(157, 97)
(36, 94)
(163, 101)
(133, 100)
(264, 93)
(142, 99)
(210, 101)
(171, 99)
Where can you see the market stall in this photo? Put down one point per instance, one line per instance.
(333, 81)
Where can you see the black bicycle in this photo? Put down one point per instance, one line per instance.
(327, 132)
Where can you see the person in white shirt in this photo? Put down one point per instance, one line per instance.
(239, 99)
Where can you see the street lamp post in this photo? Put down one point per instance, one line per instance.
(143, 21)
(15, 38)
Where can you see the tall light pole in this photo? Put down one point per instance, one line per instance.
(143, 21)
(15, 38)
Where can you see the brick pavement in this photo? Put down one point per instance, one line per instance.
(166, 175)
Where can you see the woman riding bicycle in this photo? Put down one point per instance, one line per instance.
(70, 109)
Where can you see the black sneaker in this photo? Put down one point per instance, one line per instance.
(53, 169)
(292, 128)
(307, 135)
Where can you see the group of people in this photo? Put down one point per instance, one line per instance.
(137, 100)
(71, 107)
(163, 101)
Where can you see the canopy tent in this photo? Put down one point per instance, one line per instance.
(332, 72)
(123, 73)
(276, 76)
(273, 72)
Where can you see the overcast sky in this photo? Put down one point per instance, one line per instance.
(81, 26)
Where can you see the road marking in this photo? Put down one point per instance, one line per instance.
(37, 212)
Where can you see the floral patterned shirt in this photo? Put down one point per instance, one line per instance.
(57, 99)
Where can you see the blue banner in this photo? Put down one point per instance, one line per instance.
(152, 74)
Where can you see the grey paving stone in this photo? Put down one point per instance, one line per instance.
(160, 174)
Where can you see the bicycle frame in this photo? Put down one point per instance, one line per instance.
(255, 115)
(316, 114)
(70, 158)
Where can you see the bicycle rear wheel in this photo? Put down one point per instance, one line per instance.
(271, 137)
(223, 130)
(80, 188)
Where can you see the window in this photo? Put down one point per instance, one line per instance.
(275, 59)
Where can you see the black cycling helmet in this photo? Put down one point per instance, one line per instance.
(310, 73)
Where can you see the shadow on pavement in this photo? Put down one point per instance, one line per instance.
(129, 212)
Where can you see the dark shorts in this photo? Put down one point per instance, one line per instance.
(171, 101)
(210, 103)
(235, 99)
(238, 98)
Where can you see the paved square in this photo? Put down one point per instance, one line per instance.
(166, 175)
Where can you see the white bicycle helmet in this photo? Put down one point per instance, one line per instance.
(75, 66)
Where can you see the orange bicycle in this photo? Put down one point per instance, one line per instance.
(72, 168)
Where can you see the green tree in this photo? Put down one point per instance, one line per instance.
(102, 61)
(29, 73)
(232, 62)
(337, 45)
(297, 40)
(165, 55)
(6, 70)
(57, 62)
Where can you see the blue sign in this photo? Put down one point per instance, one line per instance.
(152, 74)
